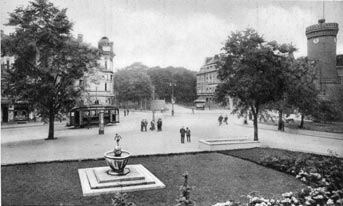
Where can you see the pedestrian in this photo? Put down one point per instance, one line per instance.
(282, 125)
(124, 112)
(188, 134)
(182, 132)
(159, 124)
(127, 112)
(88, 119)
(220, 119)
(225, 119)
(152, 125)
(145, 125)
(142, 125)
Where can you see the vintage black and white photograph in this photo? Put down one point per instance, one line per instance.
(172, 102)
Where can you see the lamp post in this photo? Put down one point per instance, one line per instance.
(172, 97)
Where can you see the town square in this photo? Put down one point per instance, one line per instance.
(185, 103)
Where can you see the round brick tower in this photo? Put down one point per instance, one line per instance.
(321, 46)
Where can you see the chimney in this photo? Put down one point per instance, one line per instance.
(80, 38)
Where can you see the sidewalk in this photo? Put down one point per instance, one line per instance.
(328, 135)
(28, 124)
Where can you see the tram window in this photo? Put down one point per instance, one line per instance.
(92, 113)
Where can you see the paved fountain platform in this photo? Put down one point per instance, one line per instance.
(96, 181)
(227, 144)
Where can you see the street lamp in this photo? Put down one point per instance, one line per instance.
(172, 85)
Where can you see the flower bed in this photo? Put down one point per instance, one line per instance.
(323, 175)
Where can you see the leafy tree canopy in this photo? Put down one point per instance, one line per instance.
(48, 60)
(132, 83)
(183, 79)
(252, 72)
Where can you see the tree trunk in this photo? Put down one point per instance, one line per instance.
(51, 124)
(255, 127)
(302, 121)
(280, 123)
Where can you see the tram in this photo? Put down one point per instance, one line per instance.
(89, 115)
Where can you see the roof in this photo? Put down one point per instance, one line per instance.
(94, 106)
(216, 59)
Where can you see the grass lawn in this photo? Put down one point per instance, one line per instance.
(335, 127)
(216, 177)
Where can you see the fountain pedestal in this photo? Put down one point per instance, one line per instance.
(118, 177)
(96, 181)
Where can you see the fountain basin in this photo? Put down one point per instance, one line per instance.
(117, 163)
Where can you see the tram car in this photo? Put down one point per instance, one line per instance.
(89, 115)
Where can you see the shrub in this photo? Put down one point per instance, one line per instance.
(323, 175)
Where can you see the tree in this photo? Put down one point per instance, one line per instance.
(252, 72)
(185, 80)
(302, 93)
(48, 60)
(160, 78)
(133, 84)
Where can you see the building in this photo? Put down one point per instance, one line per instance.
(207, 80)
(98, 84)
(12, 109)
(340, 67)
(321, 46)
(97, 102)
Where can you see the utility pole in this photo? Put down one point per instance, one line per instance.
(172, 97)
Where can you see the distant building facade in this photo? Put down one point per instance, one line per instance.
(321, 46)
(98, 85)
(340, 67)
(12, 109)
(207, 79)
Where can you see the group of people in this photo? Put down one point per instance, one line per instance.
(144, 125)
(222, 119)
(185, 132)
(126, 112)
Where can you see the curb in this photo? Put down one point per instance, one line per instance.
(102, 158)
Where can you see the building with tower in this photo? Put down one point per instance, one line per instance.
(97, 102)
(321, 47)
(98, 84)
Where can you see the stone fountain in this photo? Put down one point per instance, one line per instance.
(117, 176)
(117, 159)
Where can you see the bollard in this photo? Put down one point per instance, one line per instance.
(101, 122)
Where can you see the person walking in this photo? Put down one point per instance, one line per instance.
(220, 120)
(145, 125)
(152, 125)
(159, 124)
(182, 132)
(225, 119)
(188, 134)
(142, 125)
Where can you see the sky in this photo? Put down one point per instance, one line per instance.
(184, 32)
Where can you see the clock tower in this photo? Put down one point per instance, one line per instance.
(107, 54)
(321, 46)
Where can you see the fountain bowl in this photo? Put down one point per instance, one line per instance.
(117, 163)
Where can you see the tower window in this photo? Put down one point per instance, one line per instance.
(105, 86)
(105, 64)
